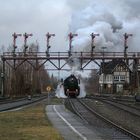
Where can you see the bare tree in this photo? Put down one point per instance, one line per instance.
(92, 85)
(25, 79)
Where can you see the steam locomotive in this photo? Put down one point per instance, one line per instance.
(71, 86)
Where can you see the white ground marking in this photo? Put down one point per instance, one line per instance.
(77, 132)
(16, 109)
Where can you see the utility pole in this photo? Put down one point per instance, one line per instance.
(103, 69)
(25, 41)
(92, 42)
(71, 36)
(48, 35)
(3, 78)
(14, 42)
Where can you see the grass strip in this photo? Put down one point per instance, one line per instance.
(27, 124)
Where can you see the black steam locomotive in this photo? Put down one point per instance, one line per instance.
(71, 86)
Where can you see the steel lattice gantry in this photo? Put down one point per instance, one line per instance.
(62, 60)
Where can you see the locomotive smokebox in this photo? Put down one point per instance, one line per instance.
(71, 86)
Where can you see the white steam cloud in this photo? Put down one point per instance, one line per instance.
(60, 91)
(111, 19)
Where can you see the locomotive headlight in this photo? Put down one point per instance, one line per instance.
(76, 90)
(67, 89)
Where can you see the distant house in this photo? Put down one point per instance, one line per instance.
(114, 76)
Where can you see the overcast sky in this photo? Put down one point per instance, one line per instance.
(62, 16)
(79, 16)
(37, 17)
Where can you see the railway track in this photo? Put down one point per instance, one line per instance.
(10, 105)
(8, 100)
(103, 125)
(124, 106)
(131, 104)
(74, 109)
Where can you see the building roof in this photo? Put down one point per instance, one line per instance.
(109, 67)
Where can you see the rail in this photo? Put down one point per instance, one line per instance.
(125, 131)
(74, 109)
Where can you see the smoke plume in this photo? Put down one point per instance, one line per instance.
(111, 19)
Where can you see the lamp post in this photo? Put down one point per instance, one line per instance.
(126, 45)
(103, 48)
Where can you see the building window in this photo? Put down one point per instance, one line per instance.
(119, 78)
(116, 78)
(122, 78)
